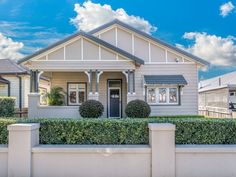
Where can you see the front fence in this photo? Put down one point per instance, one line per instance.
(25, 157)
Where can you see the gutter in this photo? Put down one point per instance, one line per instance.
(20, 94)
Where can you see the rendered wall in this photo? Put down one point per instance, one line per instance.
(24, 157)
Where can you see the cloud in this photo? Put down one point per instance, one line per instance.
(9, 48)
(217, 50)
(33, 37)
(226, 8)
(91, 15)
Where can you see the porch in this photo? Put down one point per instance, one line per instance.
(112, 88)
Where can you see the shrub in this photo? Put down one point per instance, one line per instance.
(137, 109)
(7, 106)
(91, 109)
(127, 131)
(3, 129)
(56, 96)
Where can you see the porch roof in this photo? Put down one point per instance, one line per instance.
(165, 79)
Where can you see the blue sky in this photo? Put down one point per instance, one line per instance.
(36, 24)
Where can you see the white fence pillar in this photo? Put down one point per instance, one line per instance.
(162, 142)
(22, 137)
(33, 102)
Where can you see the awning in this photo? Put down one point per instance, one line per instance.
(4, 81)
(165, 79)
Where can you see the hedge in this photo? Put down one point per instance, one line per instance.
(129, 131)
(7, 106)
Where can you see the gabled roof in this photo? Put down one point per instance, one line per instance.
(92, 38)
(8, 66)
(165, 79)
(197, 59)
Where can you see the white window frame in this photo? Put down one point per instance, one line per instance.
(77, 95)
(167, 95)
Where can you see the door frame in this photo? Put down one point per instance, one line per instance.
(108, 97)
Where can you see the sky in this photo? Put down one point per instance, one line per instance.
(205, 28)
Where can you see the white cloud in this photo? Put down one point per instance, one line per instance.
(33, 37)
(9, 48)
(215, 49)
(226, 8)
(91, 15)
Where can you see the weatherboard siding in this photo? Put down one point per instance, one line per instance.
(189, 97)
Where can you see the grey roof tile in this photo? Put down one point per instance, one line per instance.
(8, 66)
(165, 79)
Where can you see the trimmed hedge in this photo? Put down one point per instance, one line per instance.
(129, 131)
(3, 129)
(7, 106)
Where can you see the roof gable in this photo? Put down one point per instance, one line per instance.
(124, 25)
(90, 37)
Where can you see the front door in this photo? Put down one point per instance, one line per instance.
(114, 99)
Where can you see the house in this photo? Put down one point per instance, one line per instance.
(15, 82)
(217, 96)
(116, 63)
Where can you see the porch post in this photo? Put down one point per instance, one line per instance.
(89, 74)
(128, 82)
(34, 81)
(98, 73)
(133, 82)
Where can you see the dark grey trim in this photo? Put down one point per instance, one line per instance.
(165, 79)
(88, 36)
(34, 81)
(197, 59)
(133, 81)
(5, 81)
(179, 94)
(9, 89)
(145, 93)
(20, 95)
(121, 85)
(67, 95)
(128, 81)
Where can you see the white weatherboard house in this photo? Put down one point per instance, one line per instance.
(115, 64)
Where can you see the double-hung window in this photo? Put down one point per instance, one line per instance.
(163, 95)
(76, 93)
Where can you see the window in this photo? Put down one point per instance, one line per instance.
(151, 92)
(162, 95)
(232, 93)
(76, 93)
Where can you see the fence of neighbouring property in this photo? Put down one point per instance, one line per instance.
(25, 157)
(216, 112)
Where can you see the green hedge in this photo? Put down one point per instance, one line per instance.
(7, 106)
(129, 131)
(3, 129)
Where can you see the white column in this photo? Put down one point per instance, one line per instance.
(22, 137)
(34, 102)
(162, 142)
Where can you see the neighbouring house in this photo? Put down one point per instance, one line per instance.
(116, 63)
(217, 96)
(15, 82)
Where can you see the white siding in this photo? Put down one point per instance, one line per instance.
(25, 90)
(57, 55)
(189, 98)
(3, 90)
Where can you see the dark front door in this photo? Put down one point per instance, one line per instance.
(114, 103)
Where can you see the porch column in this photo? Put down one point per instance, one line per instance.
(98, 74)
(130, 77)
(90, 80)
(34, 86)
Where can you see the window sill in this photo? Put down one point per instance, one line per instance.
(158, 104)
